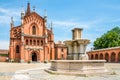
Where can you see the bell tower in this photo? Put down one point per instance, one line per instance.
(28, 9)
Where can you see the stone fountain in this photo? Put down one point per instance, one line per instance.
(77, 46)
(78, 63)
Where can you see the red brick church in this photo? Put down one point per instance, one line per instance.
(32, 40)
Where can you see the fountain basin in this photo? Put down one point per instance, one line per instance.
(78, 67)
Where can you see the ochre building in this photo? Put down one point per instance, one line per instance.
(60, 51)
(108, 54)
(32, 40)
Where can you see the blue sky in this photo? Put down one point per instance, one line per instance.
(96, 17)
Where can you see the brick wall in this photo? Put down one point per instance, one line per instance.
(108, 54)
(3, 59)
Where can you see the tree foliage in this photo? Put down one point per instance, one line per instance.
(109, 39)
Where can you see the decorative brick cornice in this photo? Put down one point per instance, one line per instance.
(105, 49)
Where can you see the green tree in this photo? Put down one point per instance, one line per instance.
(109, 39)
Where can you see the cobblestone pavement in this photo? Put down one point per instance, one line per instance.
(8, 70)
(40, 74)
(36, 72)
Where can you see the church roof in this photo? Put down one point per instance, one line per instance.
(29, 13)
(16, 27)
(33, 13)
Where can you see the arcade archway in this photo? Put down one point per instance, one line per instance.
(119, 57)
(113, 57)
(92, 56)
(96, 56)
(106, 57)
(101, 56)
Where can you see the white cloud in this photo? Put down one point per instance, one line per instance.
(2, 10)
(7, 11)
(73, 23)
(70, 24)
(6, 14)
(4, 44)
(67, 26)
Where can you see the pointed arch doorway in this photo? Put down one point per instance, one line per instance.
(34, 57)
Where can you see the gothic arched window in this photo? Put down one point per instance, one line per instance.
(17, 49)
(33, 30)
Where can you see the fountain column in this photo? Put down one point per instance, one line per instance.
(69, 52)
(78, 44)
(75, 53)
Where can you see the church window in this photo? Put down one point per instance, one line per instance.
(33, 30)
(34, 42)
(37, 42)
(30, 42)
(41, 42)
(17, 49)
(26, 42)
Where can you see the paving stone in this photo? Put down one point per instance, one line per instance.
(38, 73)
(7, 73)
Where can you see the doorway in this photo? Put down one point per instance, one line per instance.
(34, 57)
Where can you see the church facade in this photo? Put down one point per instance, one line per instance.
(32, 40)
